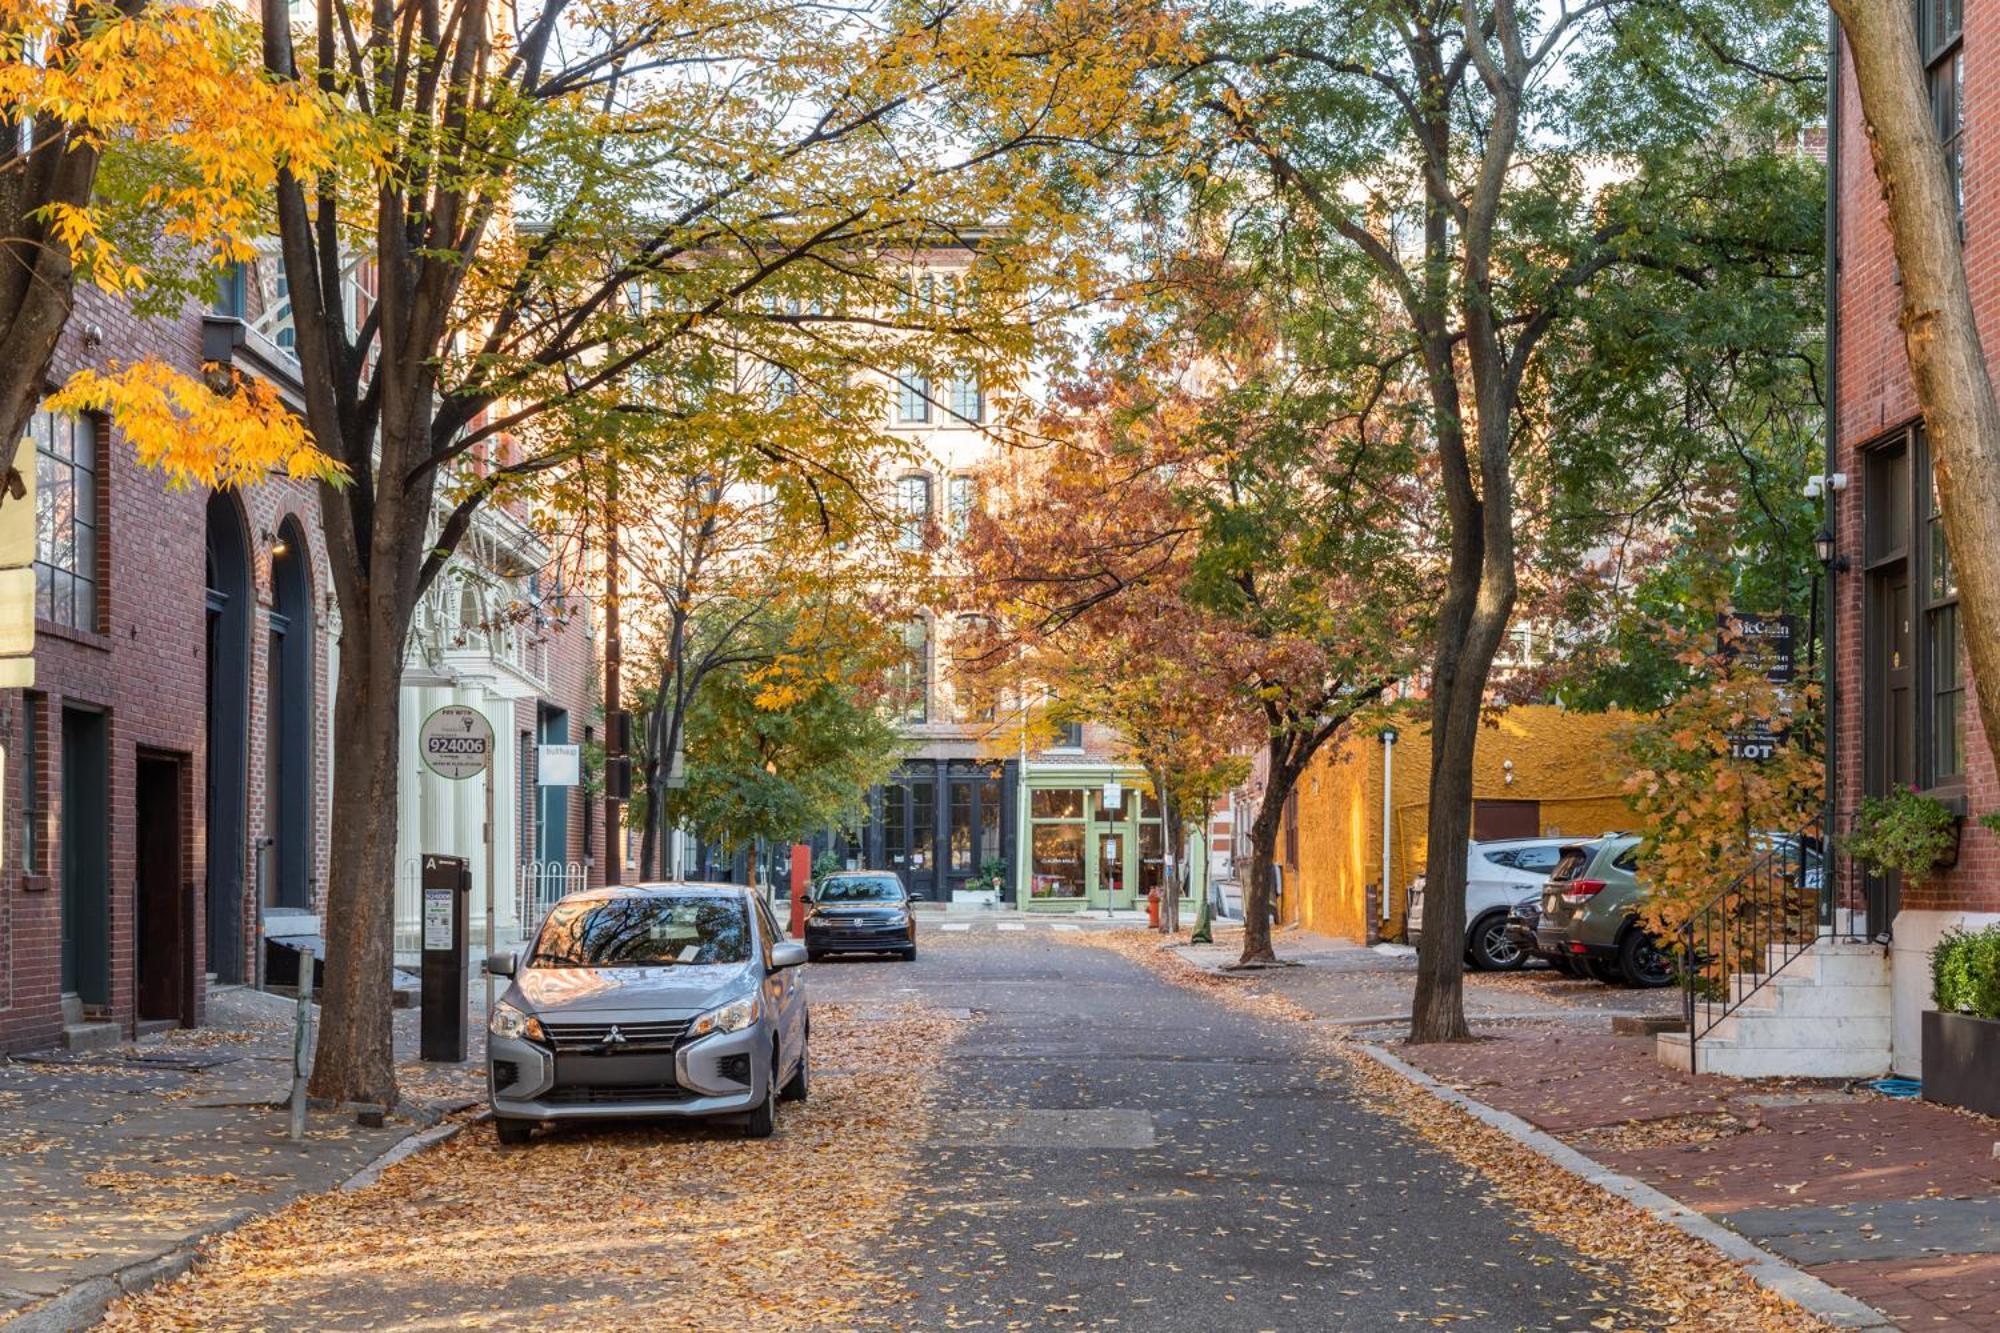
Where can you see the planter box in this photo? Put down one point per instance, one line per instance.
(1962, 1061)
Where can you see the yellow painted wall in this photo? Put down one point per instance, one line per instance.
(1564, 760)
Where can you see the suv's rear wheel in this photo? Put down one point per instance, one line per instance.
(1491, 950)
(1599, 969)
(1641, 962)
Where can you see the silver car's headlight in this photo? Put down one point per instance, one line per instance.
(731, 1017)
(508, 1021)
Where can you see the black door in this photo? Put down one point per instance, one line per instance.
(910, 834)
(164, 953)
(86, 855)
(975, 814)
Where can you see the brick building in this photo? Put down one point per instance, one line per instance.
(1903, 714)
(166, 797)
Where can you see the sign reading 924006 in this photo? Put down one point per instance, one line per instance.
(456, 742)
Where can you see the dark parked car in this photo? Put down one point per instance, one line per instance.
(861, 911)
(1519, 931)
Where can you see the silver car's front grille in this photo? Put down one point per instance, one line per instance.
(614, 1037)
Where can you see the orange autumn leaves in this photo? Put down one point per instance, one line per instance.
(189, 136)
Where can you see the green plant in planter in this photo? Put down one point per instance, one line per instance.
(1904, 833)
(1965, 973)
(992, 876)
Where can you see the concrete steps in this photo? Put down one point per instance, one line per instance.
(91, 1036)
(1825, 1014)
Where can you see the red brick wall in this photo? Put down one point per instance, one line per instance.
(147, 672)
(1875, 397)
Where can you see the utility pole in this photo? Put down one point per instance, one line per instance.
(614, 738)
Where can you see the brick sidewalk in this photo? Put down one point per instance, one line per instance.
(1895, 1201)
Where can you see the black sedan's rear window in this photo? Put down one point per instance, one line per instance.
(644, 932)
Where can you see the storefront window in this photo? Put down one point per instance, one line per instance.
(1152, 859)
(1057, 803)
(989, 821)
(961, 828)
(1058, 861)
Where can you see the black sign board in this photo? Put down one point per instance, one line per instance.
(1765, 644)
(1757, 743)
(446, 888)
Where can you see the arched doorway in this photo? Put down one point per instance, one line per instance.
(229, 611)
(289, 779)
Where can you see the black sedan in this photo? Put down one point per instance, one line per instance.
(861, 911)
(1520, 932)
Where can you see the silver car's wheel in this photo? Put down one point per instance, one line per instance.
(1491, 950)
(796, 1087)
(513, 1133)
(763, 1121)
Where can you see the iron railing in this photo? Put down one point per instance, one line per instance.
(543, 884)
(1755, 928)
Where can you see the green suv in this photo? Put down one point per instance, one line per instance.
(1590, 914)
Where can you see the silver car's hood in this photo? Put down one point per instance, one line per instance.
(557, 990)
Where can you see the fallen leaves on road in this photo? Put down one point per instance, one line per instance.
(1682, 1279)
(674, 1225)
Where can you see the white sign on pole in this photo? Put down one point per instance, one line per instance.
(456, 742)
(559, 766)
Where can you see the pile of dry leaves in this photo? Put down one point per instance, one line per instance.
(676, 1226)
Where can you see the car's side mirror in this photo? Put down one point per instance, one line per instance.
(787, 954)
(502, 964)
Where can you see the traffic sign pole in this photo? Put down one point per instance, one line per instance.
(457, 743)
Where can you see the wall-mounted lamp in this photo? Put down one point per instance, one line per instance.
(1507, 771)
(1823, 548)
(279, 546)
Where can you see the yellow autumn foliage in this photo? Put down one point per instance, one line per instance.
(196, 436)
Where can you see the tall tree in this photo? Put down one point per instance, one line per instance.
(1238, 526)
(1485, 165)
(581, 219)
(1948, 363)
(724, 554)
(142, 140)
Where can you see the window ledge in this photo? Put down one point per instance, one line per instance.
(36, 883)
(69, 634)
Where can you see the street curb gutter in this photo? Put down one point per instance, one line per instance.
(84, 1304)
(1767, 1270)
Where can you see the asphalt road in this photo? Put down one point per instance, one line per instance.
(1114, 1151)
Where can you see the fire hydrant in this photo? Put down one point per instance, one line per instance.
(1153, 908)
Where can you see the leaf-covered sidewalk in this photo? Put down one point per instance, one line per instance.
(113, 1164)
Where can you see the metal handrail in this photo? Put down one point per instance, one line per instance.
(1754, 929)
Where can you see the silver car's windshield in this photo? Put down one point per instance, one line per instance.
(644, 932)
(861, 889)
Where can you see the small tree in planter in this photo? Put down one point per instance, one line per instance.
(1962, 1035)
(1905, 833)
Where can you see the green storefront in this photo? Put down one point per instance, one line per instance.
(1093, 840)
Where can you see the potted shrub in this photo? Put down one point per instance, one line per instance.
(989, 884)
(1962, 1035)
(1905, 833)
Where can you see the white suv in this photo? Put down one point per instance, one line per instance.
(1498, 874)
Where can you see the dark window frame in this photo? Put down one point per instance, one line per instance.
(1940, 28)
(1902, 536)
(83, 575)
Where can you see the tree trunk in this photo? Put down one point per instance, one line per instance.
(355, 1059)
(1954, 385)
(1257, 899)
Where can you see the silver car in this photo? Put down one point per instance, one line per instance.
(650, 1000)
